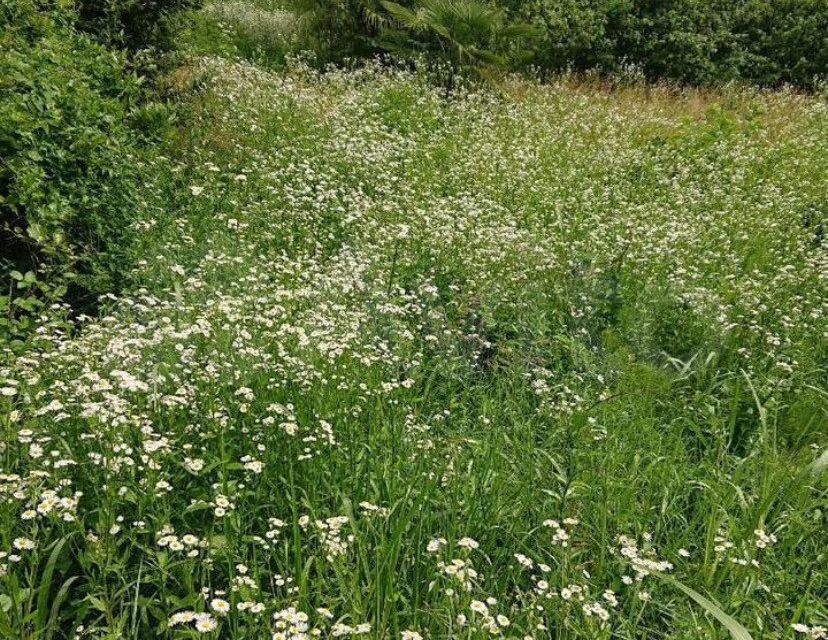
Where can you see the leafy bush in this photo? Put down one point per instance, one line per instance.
(686, 40)
(67, 178)
(575, 33)
(133, 24)
(785, 41)
(694, 41)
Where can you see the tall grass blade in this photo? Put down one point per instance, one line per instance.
(737, 631)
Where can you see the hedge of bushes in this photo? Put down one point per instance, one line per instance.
(766, 42)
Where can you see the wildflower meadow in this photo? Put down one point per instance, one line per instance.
(518, 360)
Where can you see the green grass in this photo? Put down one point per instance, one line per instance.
(583, 328)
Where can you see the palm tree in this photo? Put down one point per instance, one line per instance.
(464, 32)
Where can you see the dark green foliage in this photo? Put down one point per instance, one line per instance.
(694, 41)
(575, 33)
(464, 32)
(134, 24)
(69, 128)
(766, 42)
(784, 40)
(343, 28)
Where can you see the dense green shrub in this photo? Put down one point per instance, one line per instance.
(784, 40)
(133, 24)
(67, 176)
(696, 41)
(682, 39)
(768, 42)
(575, 33)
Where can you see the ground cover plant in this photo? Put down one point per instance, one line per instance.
(514, 360)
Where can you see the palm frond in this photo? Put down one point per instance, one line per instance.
(520, 31)
(375, 18)
(404, 16)
(465, 31)
(488, 57)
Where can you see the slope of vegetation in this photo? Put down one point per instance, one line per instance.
(519, 361)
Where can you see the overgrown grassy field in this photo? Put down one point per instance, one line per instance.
(524, 361)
